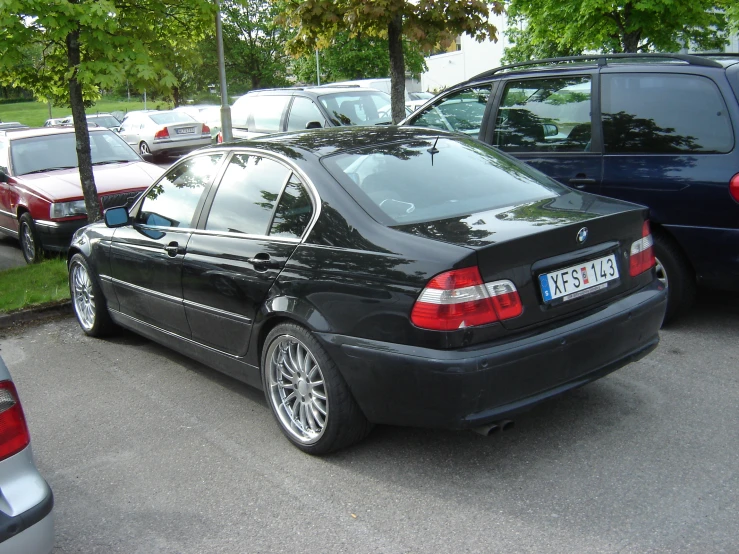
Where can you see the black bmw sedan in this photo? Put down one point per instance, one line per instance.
(381, 275)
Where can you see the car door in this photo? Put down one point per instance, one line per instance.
(251, 225)
(146, 256)
(548, 122)
(128, 130)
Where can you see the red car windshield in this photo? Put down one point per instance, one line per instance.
(49, 152)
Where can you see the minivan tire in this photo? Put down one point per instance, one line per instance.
(674, 271)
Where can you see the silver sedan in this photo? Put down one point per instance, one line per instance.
(158, 134)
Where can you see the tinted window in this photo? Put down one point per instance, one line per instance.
(266, 113)
(302, 112)
(428, 179)
(356, 107)
(462, 111)
(660, 113)
(247, 195)
(293, 211)
(173, 200)
(545, 115)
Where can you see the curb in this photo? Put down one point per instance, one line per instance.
(37, 313)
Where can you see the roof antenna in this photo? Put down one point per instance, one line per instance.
(433, 150)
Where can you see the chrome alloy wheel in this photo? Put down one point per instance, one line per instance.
(296, 389)
(83, 296)
(28, 242)
(661, 273)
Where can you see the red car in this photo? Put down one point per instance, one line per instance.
(41, 200)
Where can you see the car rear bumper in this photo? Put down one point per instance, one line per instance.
(459, 389)
(56, 235)
(713, 252)
(179, 146)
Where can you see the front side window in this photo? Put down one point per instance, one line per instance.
(266, 113)
(302, 112)
(247, 196)
(545, 115)
(664, 113)
(173, 200)
(461, 111)
(357, 107)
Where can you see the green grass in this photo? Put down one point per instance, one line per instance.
(34, 114)
(33, 285)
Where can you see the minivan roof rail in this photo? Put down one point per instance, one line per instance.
(602, 59)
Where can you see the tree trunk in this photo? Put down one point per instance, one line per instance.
(630, 42)
(397, 68)
(176, 99)
(81, 134)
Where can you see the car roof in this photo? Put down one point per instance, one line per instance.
(333, 140)
(314, 90)
(14, 134)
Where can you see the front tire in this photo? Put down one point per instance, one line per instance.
(87, 299)
(30, 243)
(675, 273)
(307, 394)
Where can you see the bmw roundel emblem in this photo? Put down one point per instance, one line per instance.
(582, 235)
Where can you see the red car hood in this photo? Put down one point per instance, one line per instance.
(64, 184)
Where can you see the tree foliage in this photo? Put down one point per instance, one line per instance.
(357, 57)
(66, 50)
(548, 28)
(426, 23)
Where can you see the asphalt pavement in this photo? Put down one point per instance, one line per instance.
(148, 451)
(10, 253)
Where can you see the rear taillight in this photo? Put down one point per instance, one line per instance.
(206, 129)
(219, 138)
(161, 133)
(642, 252)
(734, 187)
(460, 298)
(14, 435)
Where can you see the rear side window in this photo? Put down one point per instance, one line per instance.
(664, 113)
(266, 113)
(246, 198)
(461, 111)
(545, 115)
(293, 212)
(432, 178)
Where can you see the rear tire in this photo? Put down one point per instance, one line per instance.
(88, 301)
(307, 394)
(30, 243)
(144, 148)
(674, 271)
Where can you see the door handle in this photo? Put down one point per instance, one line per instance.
(173, 249)
(580, 181)
(262, 261)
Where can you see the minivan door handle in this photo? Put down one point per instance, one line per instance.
(579, 181)
(262, 261)
(173, 248)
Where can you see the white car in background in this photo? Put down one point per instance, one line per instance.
(156, 134)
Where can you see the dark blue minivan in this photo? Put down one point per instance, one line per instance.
(655, 129)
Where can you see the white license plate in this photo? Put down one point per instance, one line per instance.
(578, 280)
(186, 131)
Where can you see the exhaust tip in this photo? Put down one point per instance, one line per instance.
(492, 428)
(506, 425)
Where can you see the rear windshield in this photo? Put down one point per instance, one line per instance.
(357, 107)
(170, 117)
(427, 179)
(104, 120)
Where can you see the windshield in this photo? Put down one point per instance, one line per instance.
(357, 107)
(45, 153)
(428, 179)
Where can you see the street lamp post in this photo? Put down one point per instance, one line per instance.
(225, 109)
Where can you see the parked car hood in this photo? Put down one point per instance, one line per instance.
(65, 184)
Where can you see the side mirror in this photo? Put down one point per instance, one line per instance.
(313, 125)
(550, 130)
(116, 217)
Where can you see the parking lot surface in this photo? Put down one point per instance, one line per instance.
(148, 451)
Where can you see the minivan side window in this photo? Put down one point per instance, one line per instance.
(266, 113)
(246, 198)
(545, 115)
(652, 113)
(461, 111)
(173, 200)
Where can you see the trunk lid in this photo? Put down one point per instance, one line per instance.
(587, 235)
